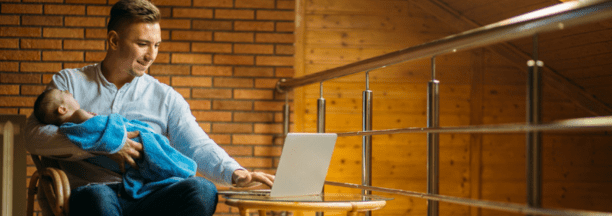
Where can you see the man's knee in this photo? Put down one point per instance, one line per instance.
(94, 199)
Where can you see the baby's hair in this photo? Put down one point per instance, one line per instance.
(45, 109)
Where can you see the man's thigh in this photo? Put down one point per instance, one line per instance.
(191, 196)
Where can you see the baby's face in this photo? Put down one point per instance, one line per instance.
(69, 101)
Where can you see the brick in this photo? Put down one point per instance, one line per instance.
(175, 24)
(268, 106)
(233, 37)
(282, 4)
(211, 47)
(253, 26)
(40, 67)
(17, 101)
(63, 32)
(174, 47)
(165, 12)
(95, 56)
(253, 117)
(41, 21)
(9, 20)
(66, 10)
(199, 104)
(87, 1)
(253, 49)
(284, 72)
(192, 81)
(9, 66)
(253, 94)
(285, 26)
(178, 58)
(237, 151)
(9, 43)
(9, 111)
(232, 82)
(32, 89)
(159, 69)
(19, 78)
(76, 64)
(85, 21)
(163, 79)
(41, 44)
(172, 2)
(84, 44)
(252, 139)
(162, 58)
(19, 32)
(273, 151)
(212, 70)
(233, 60)
(285, 50)
(20, 55)
(254, 71)
(254, 162)
(217, 3)
(191, 36)
(22, 9)
(268, 128)
(205, 126)
(46, 78)
(234, 14)
(275, 15)
(185, 92)
(9, 89)
(232, 105)
(231, 128)
(192, 13)
(275, 60)
(221, 138)
(274, 37)
(212, 25)
(254, 4)
(213, 116)
(265, 83)
(62, 56)
(95, 33)
(98, 10)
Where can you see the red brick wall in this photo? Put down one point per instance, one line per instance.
(223, 56)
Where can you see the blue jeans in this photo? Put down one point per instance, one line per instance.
(191, 196)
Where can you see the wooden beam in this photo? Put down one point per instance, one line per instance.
(551, 78)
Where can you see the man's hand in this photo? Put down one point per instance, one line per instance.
(243, 178)
(131, 150)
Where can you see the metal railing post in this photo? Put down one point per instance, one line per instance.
(432, 139)
(533, 146)
(321, 124)
(286, 115)
(366, 179)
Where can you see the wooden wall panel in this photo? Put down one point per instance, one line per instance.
(477, 87)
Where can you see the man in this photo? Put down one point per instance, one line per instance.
(120, 85)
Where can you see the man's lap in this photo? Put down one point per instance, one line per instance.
(194, 195)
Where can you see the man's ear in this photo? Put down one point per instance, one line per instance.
(62, 110)
(113, 39)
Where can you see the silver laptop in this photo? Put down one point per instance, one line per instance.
(302, 167)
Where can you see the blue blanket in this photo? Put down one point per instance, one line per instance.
(161, 165)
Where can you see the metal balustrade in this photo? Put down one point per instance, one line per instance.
(548, 19)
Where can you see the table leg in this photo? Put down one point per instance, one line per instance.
(262, 212)
(351, 213)
(243, 211)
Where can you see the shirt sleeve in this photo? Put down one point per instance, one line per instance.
(45, 140)
(186, 136)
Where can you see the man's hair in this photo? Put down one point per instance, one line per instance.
(45, 109)
(126, 12)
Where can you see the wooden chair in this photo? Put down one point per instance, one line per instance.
(55, 187)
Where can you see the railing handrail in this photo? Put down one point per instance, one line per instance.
(547, 19)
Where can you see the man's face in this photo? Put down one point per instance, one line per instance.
(137, 46)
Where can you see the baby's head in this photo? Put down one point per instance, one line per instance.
(55, 107)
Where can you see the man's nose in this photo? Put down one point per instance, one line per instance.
(151, 53)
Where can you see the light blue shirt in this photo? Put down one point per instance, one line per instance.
(144, 99)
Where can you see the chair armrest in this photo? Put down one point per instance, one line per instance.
(56, 186)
